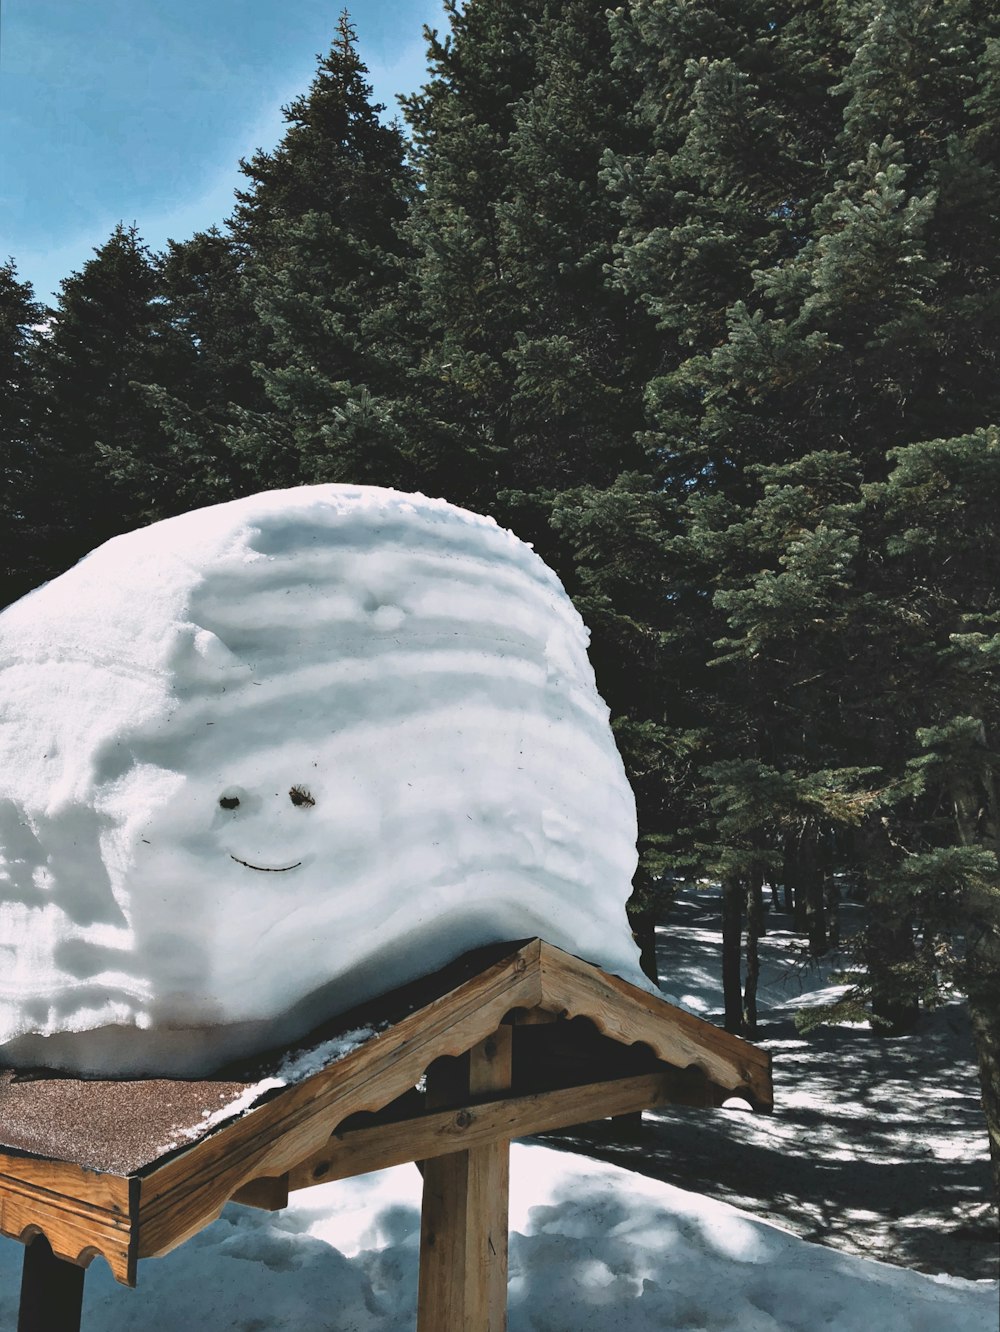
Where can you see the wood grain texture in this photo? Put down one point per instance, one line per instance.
(80, 1213)
(489, 1194)
(463, 1223)
(628, 1014)
(83, 1213)
(359, 1151)
(182, 1196)
(268, 1193)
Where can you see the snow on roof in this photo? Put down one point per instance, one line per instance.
(267, 759)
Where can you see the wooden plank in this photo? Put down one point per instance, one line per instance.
(463, 1231)
(628, 1014)
(268, 1193)
(442, 1132)
(51, 1291)
(532, 1017)
(489, 1193)
(183, 1195)
(81, 1213)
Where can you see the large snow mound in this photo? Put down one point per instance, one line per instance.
(270, 758)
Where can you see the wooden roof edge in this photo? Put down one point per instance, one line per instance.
(626, 1013)
(82, 1214)
(273, 1136)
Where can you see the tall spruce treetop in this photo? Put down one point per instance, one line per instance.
(530, 355)
(335, 157)
(321, 257)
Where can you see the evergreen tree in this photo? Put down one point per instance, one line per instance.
(106, 337)
(531, 358)
(209, 311)
(22, 498)
(322, 264)
(815, 230)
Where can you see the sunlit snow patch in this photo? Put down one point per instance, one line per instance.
(267, 759)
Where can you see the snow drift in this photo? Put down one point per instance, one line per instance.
(270, 758)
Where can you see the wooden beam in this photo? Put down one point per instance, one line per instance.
(489, 1193)
(426, 1137)
(463, 1225)
(80, 1212)
(190, 1190)
(627, 1014)
(531, 1017)
(269, 1193)
(51, 1291)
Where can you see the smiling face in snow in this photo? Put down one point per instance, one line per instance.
(264, 761)
(299, 797)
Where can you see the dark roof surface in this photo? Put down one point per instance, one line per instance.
(123, 1126)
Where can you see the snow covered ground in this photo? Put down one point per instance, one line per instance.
(863, 1130)
(876, 1147)
(594, 1248)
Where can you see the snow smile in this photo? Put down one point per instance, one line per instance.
(266, 869)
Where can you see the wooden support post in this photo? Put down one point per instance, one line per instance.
(51, 1291)
(463, 1225)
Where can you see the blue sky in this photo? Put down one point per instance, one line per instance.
(139, 110)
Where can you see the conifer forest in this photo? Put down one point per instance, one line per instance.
(702, 298)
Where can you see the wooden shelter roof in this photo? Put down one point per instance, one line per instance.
(130, 1169)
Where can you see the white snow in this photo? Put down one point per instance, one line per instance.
(594, 1248)
(265, 760)
(296, 1067)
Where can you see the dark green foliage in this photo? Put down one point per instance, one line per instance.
(532, 359)
(814, 228)
(107, 336)
(24, 521)
(322, 265)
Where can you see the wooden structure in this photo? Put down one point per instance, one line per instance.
(509, 1041)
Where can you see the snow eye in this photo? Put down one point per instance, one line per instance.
(298, 795)
(229, 802)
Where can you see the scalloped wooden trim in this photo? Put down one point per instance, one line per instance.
(186, 1193)
(631, 1016)
(82, 1215)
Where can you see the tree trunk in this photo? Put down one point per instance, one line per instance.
(890, 947)
(644, 932)
(889, 944)
(755, 918)
(797, 868)
(814, 907)
(732, 929)
(984, 1010)
(977, 816)
(775, 895)
(831, 890)
(788, 871)
(831, 894)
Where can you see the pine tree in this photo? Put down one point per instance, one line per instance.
(530, 356)
(209, 311)
(815, 231)
(22, 499)
(107, 336)
(322, 265)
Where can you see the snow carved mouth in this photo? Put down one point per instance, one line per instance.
(265, 869)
